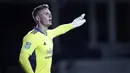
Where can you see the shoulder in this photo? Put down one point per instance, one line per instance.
(50, 31)
(32, 35)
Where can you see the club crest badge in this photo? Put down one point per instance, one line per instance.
(28, 45)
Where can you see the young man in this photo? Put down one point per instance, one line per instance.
(37, 47)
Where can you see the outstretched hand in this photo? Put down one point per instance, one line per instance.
(79, 21)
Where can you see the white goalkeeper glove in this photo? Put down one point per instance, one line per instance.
(78, 21)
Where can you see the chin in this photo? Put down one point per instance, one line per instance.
(50, 24)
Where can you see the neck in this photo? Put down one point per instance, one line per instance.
(43, 28)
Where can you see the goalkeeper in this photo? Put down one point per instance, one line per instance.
(37, 45)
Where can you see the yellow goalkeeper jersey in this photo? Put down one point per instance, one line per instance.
(37, 49)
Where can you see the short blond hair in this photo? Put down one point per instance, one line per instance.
(39, 8)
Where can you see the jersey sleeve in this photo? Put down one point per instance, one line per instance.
(61, 29)
(28, 47)
(29, 44)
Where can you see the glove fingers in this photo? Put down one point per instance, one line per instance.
(83, 21)
(82, 16)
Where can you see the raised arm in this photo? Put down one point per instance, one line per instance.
(66, 27)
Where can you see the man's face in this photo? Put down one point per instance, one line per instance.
(45, 17)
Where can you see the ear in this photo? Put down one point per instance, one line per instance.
(37, 18)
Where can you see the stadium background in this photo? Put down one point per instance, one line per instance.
(102, 45)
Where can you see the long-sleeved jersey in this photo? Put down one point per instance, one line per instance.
(37, 49)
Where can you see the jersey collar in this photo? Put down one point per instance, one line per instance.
(35, 28)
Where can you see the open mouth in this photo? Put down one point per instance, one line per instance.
(50, 20)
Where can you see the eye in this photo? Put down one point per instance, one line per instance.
(46, 13)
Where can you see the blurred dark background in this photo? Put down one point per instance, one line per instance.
(102, 45)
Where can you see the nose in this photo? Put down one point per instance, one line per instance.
(50, 16)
